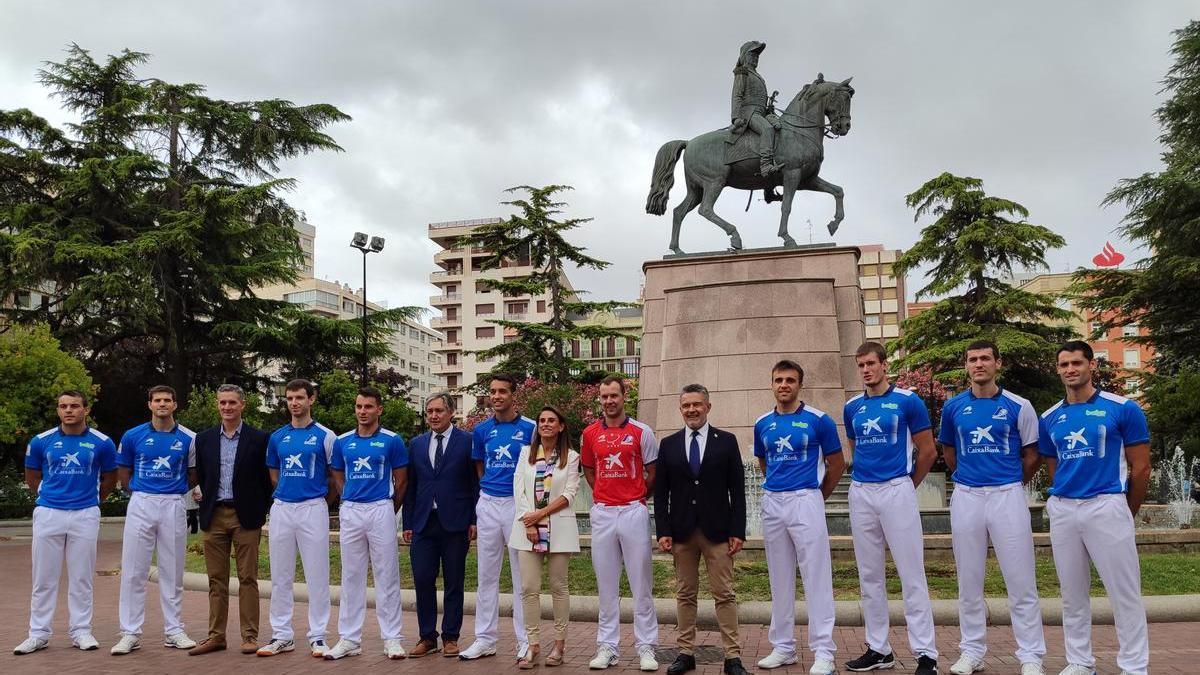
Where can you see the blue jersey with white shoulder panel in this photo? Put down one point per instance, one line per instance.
(795, 445)
(159, 459)
(368, 462)
(1088, 441)
(498, 445)
(302, 457)
(882, 429)
(71, 465)
(987, 435)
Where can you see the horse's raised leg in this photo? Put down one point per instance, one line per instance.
(694, 192)
(817, 184)
(791, 181)
(712, 190)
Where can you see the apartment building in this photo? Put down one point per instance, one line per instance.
(612, 354)
(883, 292)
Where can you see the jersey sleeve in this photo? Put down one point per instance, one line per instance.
(587, 454)
(827, 435)
(946, 434)
(125, 450)
(328, 441)
(34, 457)
(398, 457)
(649, 446)
(191, 462)
(1132, 424)
(760, 450)
(848, 421)
(337, 460)
(107, 456)
(916, 414)
(272, 452)
(1045, 440)
(1028, 425)
(478, 445)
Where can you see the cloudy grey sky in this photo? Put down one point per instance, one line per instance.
(1049, 103)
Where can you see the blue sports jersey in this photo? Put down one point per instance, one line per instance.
(986, 435)
(71, 465)
(882, 428)
(1088, 439)
(795, 446)
(302, 458)
(160, 459)
(498, 445)
(368, 462)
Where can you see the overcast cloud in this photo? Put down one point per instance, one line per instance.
(1049, 103)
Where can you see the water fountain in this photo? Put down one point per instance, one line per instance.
(754, 481)
(1178, 474)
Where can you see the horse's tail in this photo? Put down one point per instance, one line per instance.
(664, 176)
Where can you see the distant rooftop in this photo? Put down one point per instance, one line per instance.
(447, 224)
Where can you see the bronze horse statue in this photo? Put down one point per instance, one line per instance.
(800, 148)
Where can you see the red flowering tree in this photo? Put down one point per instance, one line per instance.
(579, 403)
(921, 380)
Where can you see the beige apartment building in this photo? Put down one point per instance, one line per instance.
(883, 293)
(613, 354)
(467, 305)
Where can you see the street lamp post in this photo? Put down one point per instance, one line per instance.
(374, 246)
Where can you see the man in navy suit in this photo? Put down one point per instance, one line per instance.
(235, 496)
(439, 522)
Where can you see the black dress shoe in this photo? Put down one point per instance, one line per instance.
(734, 667)
(682, 664)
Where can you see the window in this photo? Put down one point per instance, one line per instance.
(485, 332)
(1094, 327)
(452, 359)
(451, 381)
(871, 319)
(451, 336)
(868, 270)
(517, 308)
(889, 319)
(574, 349)
(451, 288)
(885, 269)
(485, 309)
(482, 287)
(541, 306)
(1133, 358)
(1101, 354)
(1133, 386)
(451, 312)
(871, 294)
(1129, 330)
(630, 346)
(888, 293)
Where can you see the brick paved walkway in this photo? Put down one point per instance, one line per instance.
(1176, 646)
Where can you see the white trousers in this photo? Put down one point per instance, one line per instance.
(368, 535)
(59, 534)
(302, 526)
(152, 523)
(795, 535)
(621, 534)
(494, 518)
(887, 513)
(1001, 513)
(1099, 530)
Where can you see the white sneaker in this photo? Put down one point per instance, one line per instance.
(819, 667)
(276, 646)
(777, 659)
(1073, 669)
(394, 649)
(126, 644)
(967, 664)
(318, 648)
(342, 649)
(179, 640)
(86, 642)
(646, 660)
(31, 645)
(1032, 669)
(605, 656)
(478, 649)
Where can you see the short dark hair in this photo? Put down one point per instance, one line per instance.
(506, 378)
(161, 389)
(614, 379)
(694, 388)
(371, 392)
(868, 348)
(300, 383)
(1076, 346)
(788, 364)
(983, 344)
(76, 394)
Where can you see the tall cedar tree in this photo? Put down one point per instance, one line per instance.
(974, 243)
(152, 218)
(1159, 292)
(535, 238)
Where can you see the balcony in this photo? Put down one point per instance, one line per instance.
(512, 316)
(447, 369)
(447, 347)
(448, 275)
(443, 322)
(448, 255)
(445, 299)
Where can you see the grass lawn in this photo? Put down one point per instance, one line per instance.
(1162, 574)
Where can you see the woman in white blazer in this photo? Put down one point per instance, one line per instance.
(545, 482)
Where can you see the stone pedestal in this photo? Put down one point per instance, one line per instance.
(723, 320)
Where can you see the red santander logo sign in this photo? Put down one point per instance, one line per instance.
(1108, 256)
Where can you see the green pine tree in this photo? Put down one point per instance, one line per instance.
(973, 245)
(535, 237)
